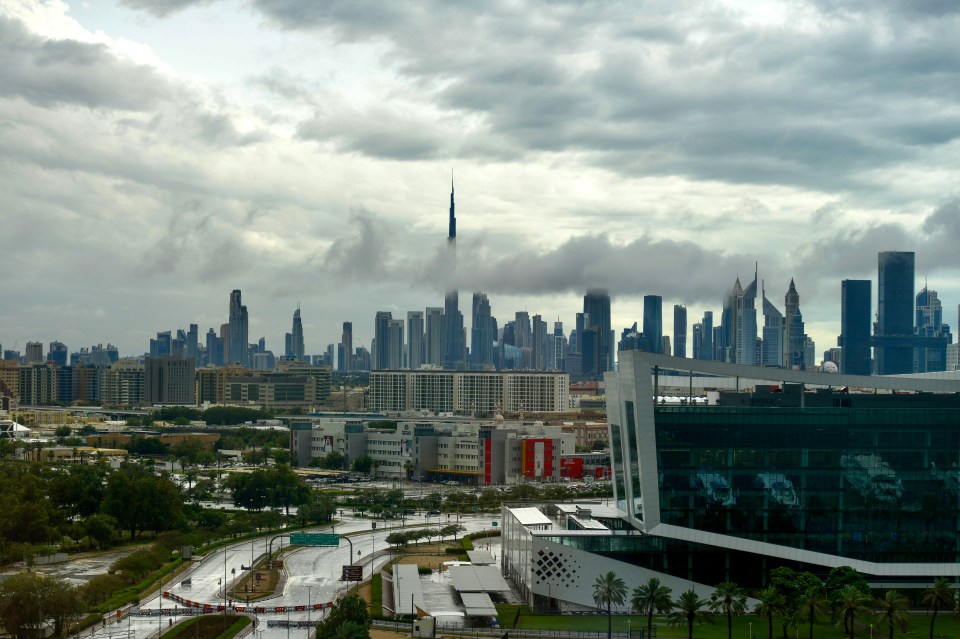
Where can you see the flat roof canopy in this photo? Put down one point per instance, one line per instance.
(478, 604)
(481, 557)
(478, 579)
(530, 516)
(406, 589)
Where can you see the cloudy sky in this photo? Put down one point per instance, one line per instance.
(156, 154)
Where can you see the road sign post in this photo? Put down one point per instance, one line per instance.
(352, 573)
(314, 539)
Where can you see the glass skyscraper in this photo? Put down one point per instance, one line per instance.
(894, 334)
(855, 307)
(779, 475)
(653, 323)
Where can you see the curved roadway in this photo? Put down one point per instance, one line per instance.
(312, 576)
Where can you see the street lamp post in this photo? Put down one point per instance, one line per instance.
(629, 633)
(871, 631)
(160, 599)
(309, 609)
(751, 630)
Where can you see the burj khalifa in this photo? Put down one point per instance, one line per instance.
(454, 342)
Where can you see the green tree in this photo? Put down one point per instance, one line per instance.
(330, 461)
(689, 609)
(349, 609)
(138, 500)
(893, 611)
(792, 585)
(609, 589)
(320, 508)
(939, 597)
(728, 599)
(770, 602)
(101, 529)
(812, 605)
(352, 630)
(851, 603)
(451, 529)
(30, 601)
(361, 464)
(649, 598)
(62, 432)
(79, 491)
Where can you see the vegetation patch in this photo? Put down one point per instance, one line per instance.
(376, 595)
(209, 627)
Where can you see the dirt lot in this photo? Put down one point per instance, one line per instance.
(426, 555)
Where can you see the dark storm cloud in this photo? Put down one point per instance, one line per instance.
(625, 269)
(163, 8)
(185, 234)
(924, 8)
(363, 254)
(55, 72)
(379, 133)
(664, 90)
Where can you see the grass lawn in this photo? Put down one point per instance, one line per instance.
(209, 627)
(946, 626)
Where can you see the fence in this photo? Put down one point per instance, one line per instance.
(516, 633)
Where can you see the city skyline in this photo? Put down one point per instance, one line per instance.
(152, 166)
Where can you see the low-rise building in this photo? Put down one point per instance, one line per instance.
(468, 392)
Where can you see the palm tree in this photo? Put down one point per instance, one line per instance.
(893, 608)
(770, 602)
(649, 598)
(609, 589)
(689, 608)
(729, 599)
(940, 597)
(812, 605)
(851, 601)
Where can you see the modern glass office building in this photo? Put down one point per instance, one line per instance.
(798, 472)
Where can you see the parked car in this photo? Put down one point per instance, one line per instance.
(433, 513)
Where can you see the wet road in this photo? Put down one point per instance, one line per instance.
(312, 573)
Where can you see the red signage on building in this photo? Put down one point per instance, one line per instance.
(537, 458)
(571, 467)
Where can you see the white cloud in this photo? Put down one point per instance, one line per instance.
(655, 149)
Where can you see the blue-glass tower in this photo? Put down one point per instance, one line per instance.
(894, 329)
(854, 342)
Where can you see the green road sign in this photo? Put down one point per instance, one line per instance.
(314, 539)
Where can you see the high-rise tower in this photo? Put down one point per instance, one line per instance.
(296, 339)
(595, 345)
(855, 307)
(894, 329)
(238, 332)
(791, 302)
(381, 338)
(679, 330)
(346, 342)
(454, 348)
(653, 323)
(415, 349)
(483, 333)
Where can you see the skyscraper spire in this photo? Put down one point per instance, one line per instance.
(452, 234)
(453, 338)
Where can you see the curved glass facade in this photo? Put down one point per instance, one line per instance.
(877, 484)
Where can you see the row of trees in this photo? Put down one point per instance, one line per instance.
(796, 598)
(271, 487)
(45, 504)
(404, 537)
